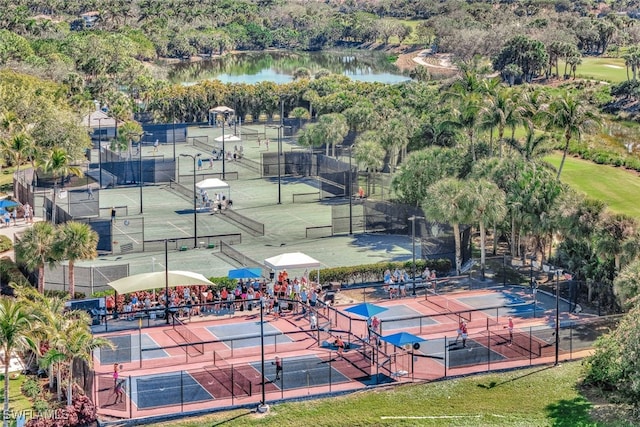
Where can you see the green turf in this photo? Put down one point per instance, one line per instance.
(617, 187)
(540, 396)
(600, 68)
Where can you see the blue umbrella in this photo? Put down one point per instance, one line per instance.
(245, 273)
(6, 203)
(402, 338)
(366, 310)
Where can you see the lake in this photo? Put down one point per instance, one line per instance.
(279, 67)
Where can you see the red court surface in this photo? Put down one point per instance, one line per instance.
(214, 362)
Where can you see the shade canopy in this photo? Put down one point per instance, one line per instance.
(99, 119)
(245, 273)
(212, 184)
(157, 279)
(6, 203)
(228, 138)
(402, 338)
(291, 260)
(366, 309)
(221, 109)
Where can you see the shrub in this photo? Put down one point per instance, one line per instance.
(41, 406)
(611, 367)
(5, 243)
(31, 388)
(10, 273)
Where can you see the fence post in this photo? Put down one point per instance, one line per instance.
(530, 346)
(446, 347)
(488, 350)
(571, 341)
(504, 269)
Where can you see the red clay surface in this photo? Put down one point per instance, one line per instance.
(212, 363)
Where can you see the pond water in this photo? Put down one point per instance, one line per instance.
(279, 67)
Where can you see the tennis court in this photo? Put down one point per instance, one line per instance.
(129, 348)
(302, 372)
(247, 334)
(169, 389)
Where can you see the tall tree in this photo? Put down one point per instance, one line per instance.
(35, 249)
(568, 113)
(334, 128)
(59, 164)
(76, 343)
(76, 241)
(15, 328)
(488, 206)
(449, 202)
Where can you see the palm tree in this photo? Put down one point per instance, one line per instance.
(77, 343)
(51, 313)
(76, 241)
(466, 115)
(569, 114)
(533, 147)
(488, 204)
(19, 148)
(449, 202)
(334, 129)
(35, 249)
(369, 155)
(58, 163)
(15, 327)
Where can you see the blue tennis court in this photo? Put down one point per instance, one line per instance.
(301, 372)
(456, 355)
(153, 391)
(128, 348)
(510, 303)
(247, 334)
(396, 318)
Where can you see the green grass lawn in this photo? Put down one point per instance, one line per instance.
(540, 396)
(617, 187)
(600, 68)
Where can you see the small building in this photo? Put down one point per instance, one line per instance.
(101, 126)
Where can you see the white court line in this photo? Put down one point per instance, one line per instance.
(124, 233)
(175, 226)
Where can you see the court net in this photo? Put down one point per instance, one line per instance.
(188, 335)
(444, 309)
(231, 379)
(522, 343)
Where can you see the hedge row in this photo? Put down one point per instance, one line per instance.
(375, 272)
(10, 273)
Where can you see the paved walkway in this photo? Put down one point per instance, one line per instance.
(11, 231)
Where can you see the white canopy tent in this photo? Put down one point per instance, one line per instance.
(214, 184)
(158, 279)
(228, 138)
(292, 260)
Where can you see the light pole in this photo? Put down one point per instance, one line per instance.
(99, 119)
(351, 207)
(195, 200)
(279, 167)
(557, 316)
(166, 280)
(263, 407)
(226, 112)
(139, 137)
(413, 243)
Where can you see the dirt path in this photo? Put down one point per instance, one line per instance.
(440, 62)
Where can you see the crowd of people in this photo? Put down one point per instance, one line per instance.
(295, 295)
(10, 217)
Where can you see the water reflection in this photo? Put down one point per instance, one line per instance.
(279, 67)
